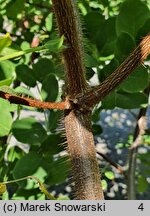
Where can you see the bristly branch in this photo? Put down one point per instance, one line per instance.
(80, 142)
(69, 26)
(93, 96)
(35, 103)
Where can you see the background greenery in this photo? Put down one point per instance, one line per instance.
(111, 29)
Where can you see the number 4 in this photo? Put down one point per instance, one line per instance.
(141, 207)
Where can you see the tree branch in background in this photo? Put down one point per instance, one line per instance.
(118, 168)
(137, 140)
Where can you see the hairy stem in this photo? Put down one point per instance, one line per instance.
(83, 156)
(69, 26)
(80, 141)
(35, 103)
(93, 96)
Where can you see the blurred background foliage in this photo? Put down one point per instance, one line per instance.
(30, 138)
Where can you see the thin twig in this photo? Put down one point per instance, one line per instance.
(35, 103)
(137, 140)
(106, 158)
(41, 185)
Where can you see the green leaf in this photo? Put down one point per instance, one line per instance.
(108, 49)
(107, 70)
(49, 89)
(54, 119)
(33, 194)
(142, 184)
(25, 75)
(130, 101)
(109, 102)
(89, 73)
(104, 184)
(58, 171)
(54, 45)
(124, 100)
(5, 104)
(145, 158)
(42, 68)
(5, 118)
(94, 4)
(96, 115)
(62, 197)
(106, 37)
(49, 22)
(124, 45)
(6, 82)
(94, 24)
(137, 81)
(7, 70)
(52, 145)
(10, 50)
(109, 175)
(133, 15)
(14, 8)
(90, 61)
(31, 164)
(146, 139)
(29, 130)
(144, 30)
(5, 41)
(16, 54)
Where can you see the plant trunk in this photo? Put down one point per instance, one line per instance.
(80, 143)
(82, 152)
